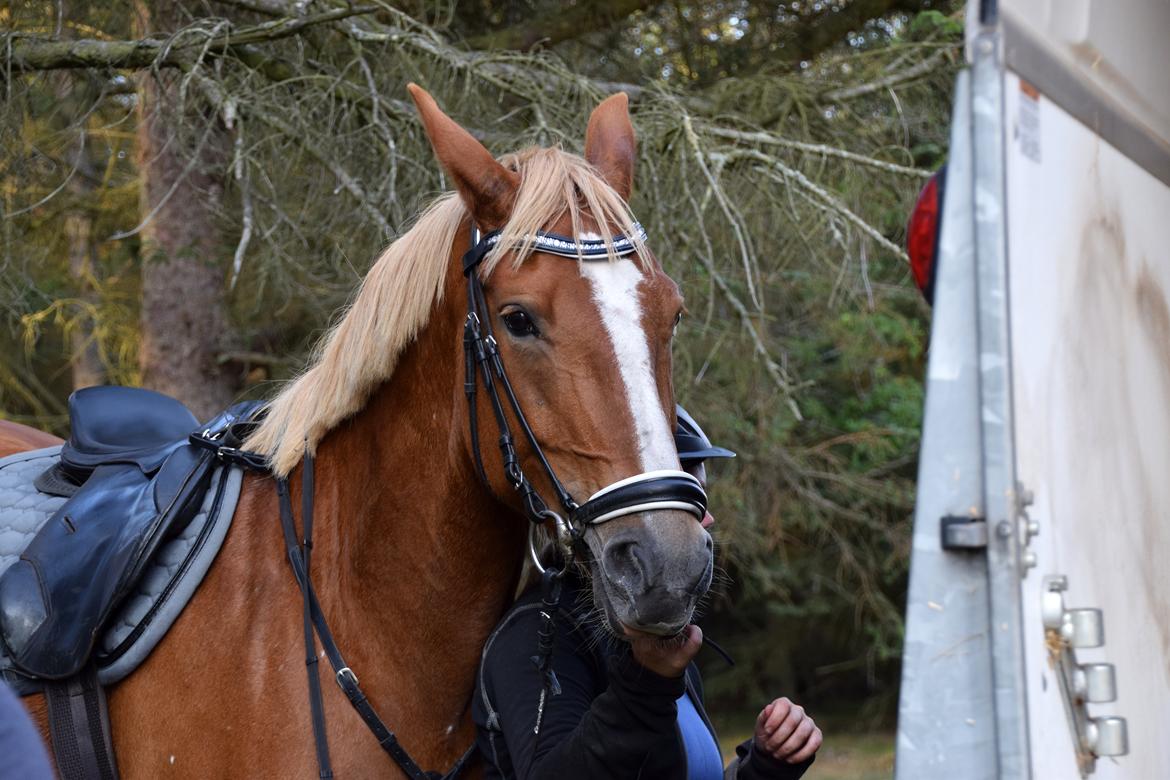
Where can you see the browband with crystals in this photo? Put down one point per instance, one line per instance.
(568, 247)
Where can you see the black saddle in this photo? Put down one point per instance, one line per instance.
(123, 425)
(138, 464)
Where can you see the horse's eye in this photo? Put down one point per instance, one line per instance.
(519, 324)
(677, 322)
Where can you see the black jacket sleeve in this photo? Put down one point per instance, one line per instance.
(612, 719)
(619, 722)
(752, 764)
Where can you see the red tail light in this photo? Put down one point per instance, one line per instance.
(922, 233)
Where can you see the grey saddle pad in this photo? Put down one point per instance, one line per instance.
(167, 584)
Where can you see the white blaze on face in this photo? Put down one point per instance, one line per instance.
(615, 291)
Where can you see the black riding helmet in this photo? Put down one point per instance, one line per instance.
(693, 445)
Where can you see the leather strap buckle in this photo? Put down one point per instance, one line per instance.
(347, 673)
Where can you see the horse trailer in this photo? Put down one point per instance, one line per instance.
(1037, 637)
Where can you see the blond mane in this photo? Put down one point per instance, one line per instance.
(405, 284)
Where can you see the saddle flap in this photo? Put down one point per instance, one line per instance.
(83, 561)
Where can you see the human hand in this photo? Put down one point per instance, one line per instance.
(786, 733)
(666, 657)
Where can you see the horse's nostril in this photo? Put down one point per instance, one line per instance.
(624, 561)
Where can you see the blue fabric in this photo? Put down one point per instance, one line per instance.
(703, 759)
(20, 744)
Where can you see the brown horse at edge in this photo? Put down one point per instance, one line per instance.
(415, 559)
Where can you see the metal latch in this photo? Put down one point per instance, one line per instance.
(964, 533)
(971, 532)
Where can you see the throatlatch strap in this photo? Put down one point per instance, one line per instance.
(79, 724)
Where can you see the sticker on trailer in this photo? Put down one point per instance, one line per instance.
(1028, 122)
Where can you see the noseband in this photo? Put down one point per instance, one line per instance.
(649, 491)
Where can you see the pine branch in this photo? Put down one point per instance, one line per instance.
(827, 26)
(345, 179)
(822, 150)
(25, 54)
(774, 169)
(500, 71)
(924, 68)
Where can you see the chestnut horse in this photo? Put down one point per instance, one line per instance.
(415, 558)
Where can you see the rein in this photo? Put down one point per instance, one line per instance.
(314, 619)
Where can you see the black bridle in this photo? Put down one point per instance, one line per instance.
(648, 491)
(651, 490)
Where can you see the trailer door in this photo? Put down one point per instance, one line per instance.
(1087, 104)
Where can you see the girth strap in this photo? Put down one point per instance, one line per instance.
(79, 725)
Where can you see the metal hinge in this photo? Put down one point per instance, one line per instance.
(1066, 631)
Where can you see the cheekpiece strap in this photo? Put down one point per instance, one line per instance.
(562, 246)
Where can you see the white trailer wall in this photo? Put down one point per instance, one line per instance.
(1087, 103)
(1089, 272)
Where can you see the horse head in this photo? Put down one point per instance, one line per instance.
(587, 346)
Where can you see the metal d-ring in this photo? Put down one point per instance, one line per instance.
(564, 537)
(532, 551)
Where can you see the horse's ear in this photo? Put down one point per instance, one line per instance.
(610, 145)
(488, 189)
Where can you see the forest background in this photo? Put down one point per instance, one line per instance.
(190, 191)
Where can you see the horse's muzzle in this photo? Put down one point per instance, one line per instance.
(653, 573)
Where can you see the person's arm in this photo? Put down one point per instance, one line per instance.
(783, 748)
(593, 728)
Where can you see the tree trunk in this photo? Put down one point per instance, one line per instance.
(85, 362)
(84, 359)
(184, 313)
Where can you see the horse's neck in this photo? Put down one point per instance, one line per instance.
(414, 561)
